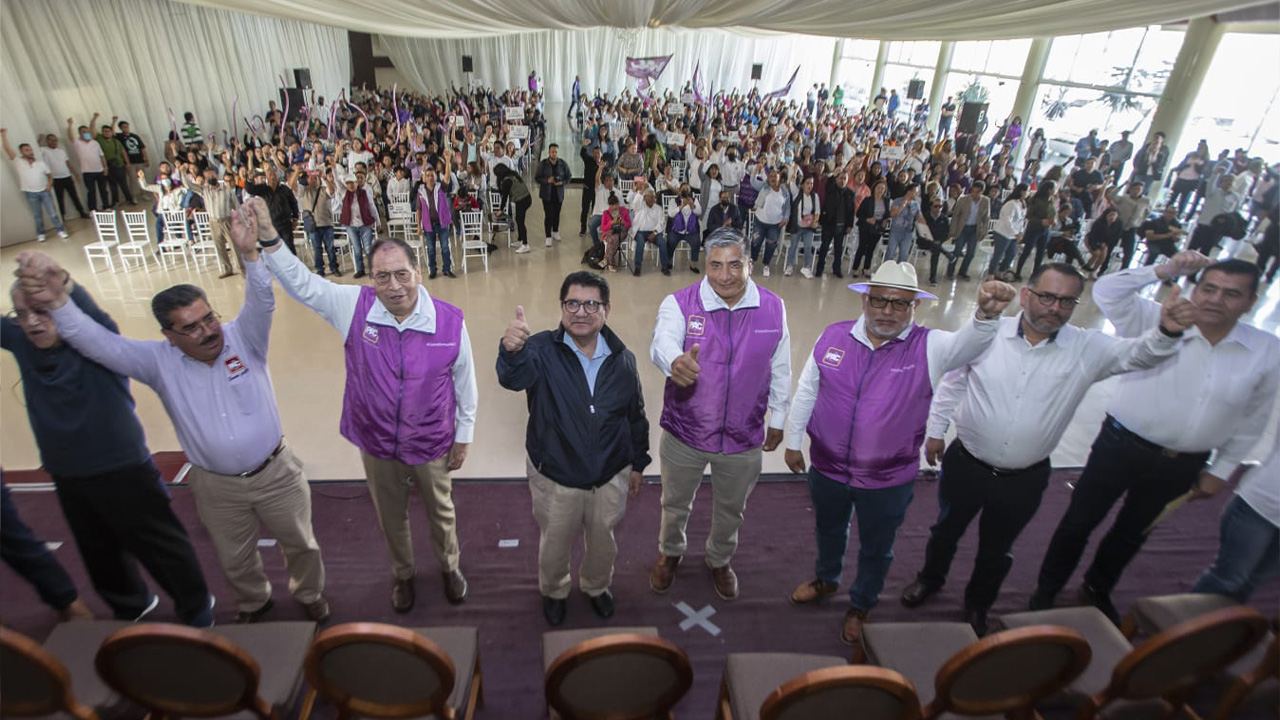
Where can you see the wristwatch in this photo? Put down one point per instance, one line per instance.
(268, 243)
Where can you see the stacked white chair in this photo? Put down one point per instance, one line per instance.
(138, 243)
(175, 240)
(108, 239)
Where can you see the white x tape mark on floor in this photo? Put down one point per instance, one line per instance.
(697, 618)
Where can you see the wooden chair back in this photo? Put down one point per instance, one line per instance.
(618, 677)
(863, 691)
(34, 682)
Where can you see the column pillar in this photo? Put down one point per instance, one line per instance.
(1029, 89)
(877, 76)
(1198, 48)
(836, 55)
(938, 90)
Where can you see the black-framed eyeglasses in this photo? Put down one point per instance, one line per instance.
(880, 302)
(1049, 299)
(208, 322)
(384, 278)
(23, 316)
(590, 306)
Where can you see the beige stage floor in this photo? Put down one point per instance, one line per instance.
(307, 362)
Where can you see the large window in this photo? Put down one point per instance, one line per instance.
(1239, 104)
(856, 66)
(921, 53)
(991, 57)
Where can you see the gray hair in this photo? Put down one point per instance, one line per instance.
(724, 237)
(174, 298)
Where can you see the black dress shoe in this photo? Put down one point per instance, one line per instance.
(1040, 600)
(838, 274)
(554, 611)
(455, 587)
(978, 620)
(602, 604)
(1090, 595)
(432, 276)
(918, 591)
(358, 275)
(449, 274)
(636, 272)
(402, 595)
(244, 618)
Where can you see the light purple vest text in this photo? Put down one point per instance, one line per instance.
(399, 402)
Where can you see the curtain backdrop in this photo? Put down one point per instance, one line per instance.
(135, 59)
(877, 19)
(598, 56)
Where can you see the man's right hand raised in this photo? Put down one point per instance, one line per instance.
(42, 280)
(517, 333)
(685, 369)
(1187, 262)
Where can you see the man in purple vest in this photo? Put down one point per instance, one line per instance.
(410, 400)
(434, 207)
(864, 398)
(724, 346)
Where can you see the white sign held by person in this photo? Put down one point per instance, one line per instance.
(675, 139)
(518, 132)
(674, 109)
(892, 152)
(457, 120)
(514, 113)
(687, 99)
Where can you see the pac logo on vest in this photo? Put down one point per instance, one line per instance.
(833, 357)
(371, 333)
(697, 325)
(235, 367)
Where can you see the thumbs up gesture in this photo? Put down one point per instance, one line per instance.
(1177, 313)
(517, 333)
(685, 369)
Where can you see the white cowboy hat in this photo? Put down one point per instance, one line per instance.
(896, 275)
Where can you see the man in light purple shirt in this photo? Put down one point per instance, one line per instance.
(214, 383)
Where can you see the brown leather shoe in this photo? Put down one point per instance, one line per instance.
(663, 573)
(813, 590)
(455, 587)
(317, 611)
(402, 595)
(725, 581)
(851, 630)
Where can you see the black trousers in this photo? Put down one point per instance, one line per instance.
(30, 558)
(284, 228)
(119, 179)
(1156, 248)
(551, 209)
(522, 210)
(1205, 239)
(95, 186)
(1120, 464)
(588, 204)
(62, 186)
(122, 518)
(868, 238)
(1007, 502)
(830, 234)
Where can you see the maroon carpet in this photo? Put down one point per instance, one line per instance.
(776, 554)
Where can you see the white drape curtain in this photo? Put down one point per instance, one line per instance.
(135, 59)
(878, 19)
(598, 55)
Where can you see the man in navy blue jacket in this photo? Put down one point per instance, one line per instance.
(587, 439)
(110, 491)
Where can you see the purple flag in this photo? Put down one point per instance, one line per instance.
(786, 90)
(646, 70)
(697, 84)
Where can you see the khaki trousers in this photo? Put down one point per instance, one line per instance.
(390, 484)
(233, 508)
(732, 479)
(220, 230)
(560, 512)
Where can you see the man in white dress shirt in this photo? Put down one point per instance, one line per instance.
(1011, 406)
(63, 181)
(1164, 423)
(410, 398)
(36, 181)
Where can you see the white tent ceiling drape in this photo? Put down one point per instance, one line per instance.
(878, 19)
(597, 56)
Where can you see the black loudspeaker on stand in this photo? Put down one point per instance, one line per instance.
(971, 117)
(757, 71)
(915, 90)
(467, 65)
(302, 78)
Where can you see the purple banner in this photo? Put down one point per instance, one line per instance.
(646, 70)
(786, 90)
(697, 84)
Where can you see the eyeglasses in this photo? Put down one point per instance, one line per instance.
(880, 302)
(384, 278)
(1048, 299)
(591, 306)
(208, 322)
(23, 316)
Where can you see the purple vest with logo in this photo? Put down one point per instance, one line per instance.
(399, 402)
(723, 412)
(872, 407)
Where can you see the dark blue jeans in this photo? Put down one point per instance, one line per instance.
(27, 555)
(322, 241)
(1248, 556)
(767, 235)
(966, 246)
(1119, 465)
(880, 512)
(429, 238)
(642, 238)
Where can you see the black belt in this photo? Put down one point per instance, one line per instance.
(1147, 444)
(274, 453)
(992, 468)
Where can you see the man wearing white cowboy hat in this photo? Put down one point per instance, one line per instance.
(867, 387)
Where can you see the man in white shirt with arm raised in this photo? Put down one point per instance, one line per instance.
(1164, 423)
(410, 399)
(36, 181)
(1011, 406)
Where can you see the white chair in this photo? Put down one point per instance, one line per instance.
(400, 221)
(680, 169)
(499, 217)
(203, 250)
(341, 244)
(627, 187)
(302, 241)
(175, 238)
(473, 242)
(139, 242)
(108, 238)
